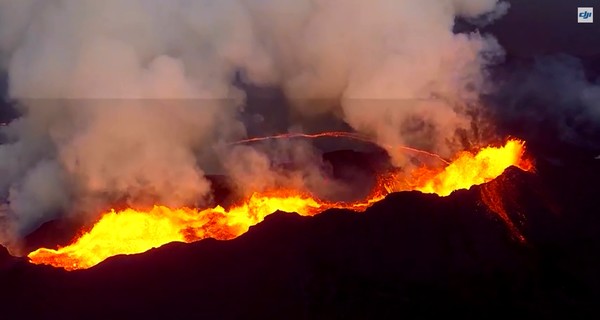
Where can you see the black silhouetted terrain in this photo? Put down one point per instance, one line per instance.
(409, 255)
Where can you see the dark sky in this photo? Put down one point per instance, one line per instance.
(534, 27)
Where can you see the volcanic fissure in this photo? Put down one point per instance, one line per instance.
(132, 231)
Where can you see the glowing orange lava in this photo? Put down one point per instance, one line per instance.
(131, 231)
(468, 170)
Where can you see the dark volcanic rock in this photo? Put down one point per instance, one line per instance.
(5, 258)
(409, 255)
(52, 234)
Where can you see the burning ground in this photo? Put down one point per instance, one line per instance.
(133, 231)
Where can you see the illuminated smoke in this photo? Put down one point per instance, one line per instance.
(125, 99)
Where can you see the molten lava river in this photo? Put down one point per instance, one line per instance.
(130, 231)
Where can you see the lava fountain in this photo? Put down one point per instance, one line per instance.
(131, 231)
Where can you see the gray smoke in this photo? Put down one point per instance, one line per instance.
(126, 99)
(555, 97)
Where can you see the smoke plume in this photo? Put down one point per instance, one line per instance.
(127, 99)
(555, 97)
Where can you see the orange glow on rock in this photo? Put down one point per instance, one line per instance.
(131, 231)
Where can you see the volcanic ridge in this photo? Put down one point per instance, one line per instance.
(405, 255)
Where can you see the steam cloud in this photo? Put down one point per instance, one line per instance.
(126, 99)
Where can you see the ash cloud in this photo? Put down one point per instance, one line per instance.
(127, 99)
(551, 100)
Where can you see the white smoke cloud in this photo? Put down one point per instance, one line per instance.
(39, 194)
(483, 20)
(82, 71)
(392, 63)
(288, 165)
(476, 8)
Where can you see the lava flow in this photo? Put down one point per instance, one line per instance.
(131, 231)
